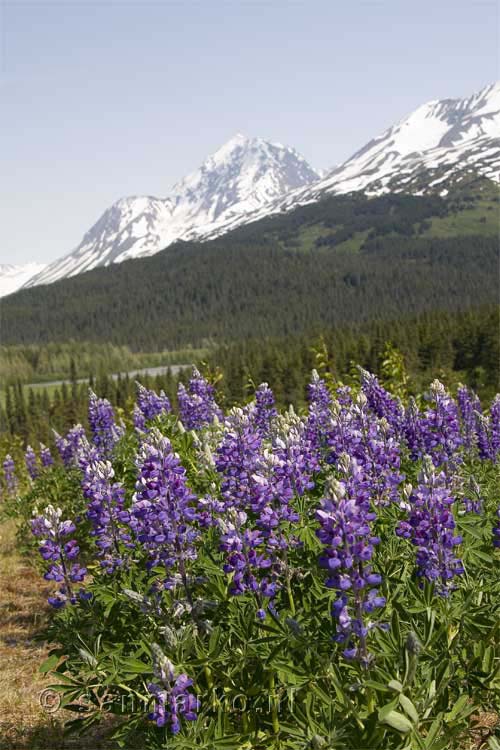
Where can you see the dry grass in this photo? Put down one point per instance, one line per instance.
(24, 725)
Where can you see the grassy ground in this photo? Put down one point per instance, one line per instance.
(24, 724)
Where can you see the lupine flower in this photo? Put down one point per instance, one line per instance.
(264, 410)
(236, 458)
(371, 441)
(246, 556)
(472, 499)
(197, 406)
(431, 528)
(139, 419)
(149, 405)
(68, 447)
(293, 445)
(45, 456)
(105, 432)
(436, 432)
(320, 415)
(470, 408)
(345, 519)
(173, 700)
(481, 433)
(257, 486)
(381, 402)
(163, 512)
(31, 462)
(495, 427)
(60, 552)
(87, 454)
(496, 530)
(9, 470)
(107, 513)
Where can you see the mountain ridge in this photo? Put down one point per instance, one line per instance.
(247, 179)
(240, 177)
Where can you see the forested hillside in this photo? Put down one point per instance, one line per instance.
(456, 347)
(347, 259)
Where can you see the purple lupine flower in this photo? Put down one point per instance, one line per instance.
(371, 441)
(31, 462)
(45, 456)
(319, 416)
(481, 433)
(381, 402)
(173, 699)
(105, 432)
(436, 432)
(496, 530)
(495, 427)
(9, 471)
(483, 437)
(197, 406)
(163, 514)
(69, 446)
(150, 404)
(472, 499)
(297, 453)
(235, 460)
(431, 528)
(246, 556)
(139, 419)
(60, 553)
(257, 486)
(413, 430)
(345, 519)
(470, 408)
(107, 513)
(264, 410)
(86, 455)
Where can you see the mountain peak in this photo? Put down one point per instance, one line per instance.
(241, 177)
(248, 178)
(441, 137)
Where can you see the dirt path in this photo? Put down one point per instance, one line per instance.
(24, 725)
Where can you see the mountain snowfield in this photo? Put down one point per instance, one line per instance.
(249, 178)
(436, 142)
(14, 276)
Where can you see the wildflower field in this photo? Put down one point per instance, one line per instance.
(327, 578)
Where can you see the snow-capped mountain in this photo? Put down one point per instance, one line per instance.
(13, 277)
(249, 178)
(435, 143)
(243, 176)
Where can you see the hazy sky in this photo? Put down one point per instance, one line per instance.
(106, 99)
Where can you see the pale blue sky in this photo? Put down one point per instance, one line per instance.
(106, 99)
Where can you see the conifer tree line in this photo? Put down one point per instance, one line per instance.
(460, 347)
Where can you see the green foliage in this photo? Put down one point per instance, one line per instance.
(80, 359)
(406, 354)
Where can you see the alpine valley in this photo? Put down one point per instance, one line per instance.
(247, 179)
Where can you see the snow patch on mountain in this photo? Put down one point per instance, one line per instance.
(450, 134)
(13, 277)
